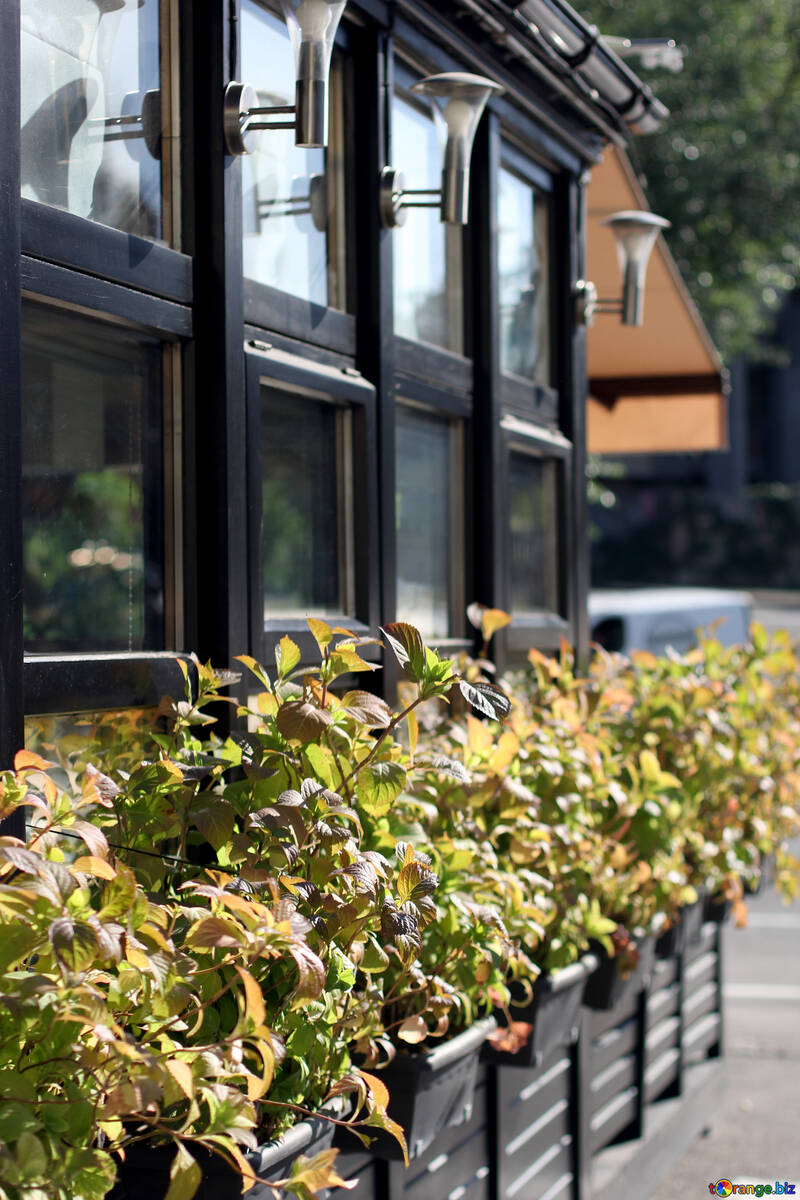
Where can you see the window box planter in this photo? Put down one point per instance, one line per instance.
(669, 943)
(428, 1092)
(692, 919)
(145, 1173)
(554, 1011)
(716, 909)
(606, 987)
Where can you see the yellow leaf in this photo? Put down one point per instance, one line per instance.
(91, 865)
(181, 1072)
(137, 958)
(254, 999)
(413, 733)
(506, 752)
(493, 619)
(479, 737)
(321, 631)
(26, 760)
(378, 1089)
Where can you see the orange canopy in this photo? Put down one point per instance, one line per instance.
(661, 387)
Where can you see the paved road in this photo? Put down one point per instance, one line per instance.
(756, 1126)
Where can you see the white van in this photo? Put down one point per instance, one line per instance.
(654, 618)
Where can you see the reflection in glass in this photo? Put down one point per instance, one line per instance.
(125, 736)
(305, 542)
(533, 517)
(293, 198)
(524, 283)
(428, 266)
(91, 486)
(425, 525)
(89, 68)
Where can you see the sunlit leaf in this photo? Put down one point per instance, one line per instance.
(486, 698)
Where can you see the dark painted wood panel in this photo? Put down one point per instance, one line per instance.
(661, 1037)
(703, 1001)
(661, 1074)
(72, 241)
(605, 1020)
(700, 971)
(549, 1175)
(665, 972)
(662, 1004)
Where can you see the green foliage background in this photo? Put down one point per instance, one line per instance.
(725, 169)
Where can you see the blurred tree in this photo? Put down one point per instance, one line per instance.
(725, 170)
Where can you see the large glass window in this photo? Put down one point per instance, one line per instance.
(91, 110)
(306, 506)
(533, 516)
(92, 485)
(428, 255)
(429, 521)
(293, 198)
(524, 287)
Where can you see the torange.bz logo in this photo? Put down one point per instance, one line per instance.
(724, 1187)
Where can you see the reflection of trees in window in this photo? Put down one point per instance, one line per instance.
(91, 524)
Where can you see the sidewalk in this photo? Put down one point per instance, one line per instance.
(755, 1136)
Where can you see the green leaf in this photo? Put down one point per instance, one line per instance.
(91, 1173)
(214, 817)
(408, 647)
(16, 1119)
(31, 1156)
(321, 631)
(74, 944)
(16, 943)
(185, 1176)
(287, 656)
(320, 761)
(380, 784)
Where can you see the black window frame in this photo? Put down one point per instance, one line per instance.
(268, 366)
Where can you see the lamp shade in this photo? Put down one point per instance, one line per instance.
(636, 234)
(312, 26)
(458, 102)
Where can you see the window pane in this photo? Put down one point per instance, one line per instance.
(293, 198)
(89, 68)
(428, 269)
(91, 480)
(304, 455)
(427, 536)
(524, 280)
(533, 516)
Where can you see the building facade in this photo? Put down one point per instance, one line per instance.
(230, 396)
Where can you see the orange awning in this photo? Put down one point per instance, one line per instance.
(659, 388)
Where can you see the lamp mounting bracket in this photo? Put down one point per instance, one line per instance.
(395, 202)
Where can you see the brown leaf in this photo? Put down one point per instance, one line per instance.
(368, 709)
(300, 721)
(413, 1030)
(511, 1038)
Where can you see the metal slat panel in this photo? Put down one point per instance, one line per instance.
(661, 1004)
(541, 1176)
(702, 1001)
(661, 1073)
(519, 1107)
(613, 1044)
(701, 1035)
(616, 1078)
(606, 1124)
(530, 1144)
(707, 941)
(702, 969)
(661, 1037)
(665, 972)
(603, 1021)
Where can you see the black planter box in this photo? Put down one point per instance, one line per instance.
(669, 943)
(554, 1011)
(716, 909)
(144, 1175)
(428, 1091)
(606, 988)
(692, 920)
